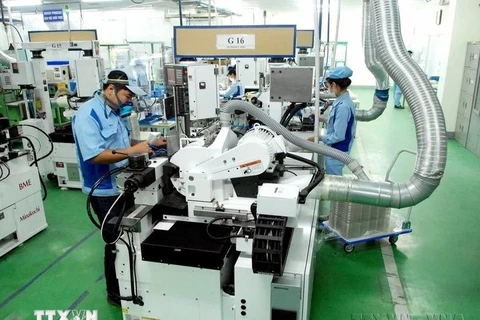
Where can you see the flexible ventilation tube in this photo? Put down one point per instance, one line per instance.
(320, 148)
(427, 115)
(380, 98)
(6, 58)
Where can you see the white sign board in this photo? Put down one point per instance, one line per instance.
(236, 41)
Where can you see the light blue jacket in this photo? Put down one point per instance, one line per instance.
(341, 124)
(96, 127)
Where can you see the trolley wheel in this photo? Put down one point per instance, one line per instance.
(393, 239)
(348, 247)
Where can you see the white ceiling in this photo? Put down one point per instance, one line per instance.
(272, 6)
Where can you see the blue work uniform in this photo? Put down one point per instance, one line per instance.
(340, 131)
(97, 127)
(234, 91)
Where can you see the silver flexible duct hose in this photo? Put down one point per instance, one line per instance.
(427, 115)
(380, 98)
(426, 109)
(320, 148)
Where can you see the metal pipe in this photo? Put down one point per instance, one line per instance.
(14, 41)
(380, 97)
(317, 43)
(337, 29)
(427, 115)
(180, 12)
(209, 13)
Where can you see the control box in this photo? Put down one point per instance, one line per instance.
(89, 75)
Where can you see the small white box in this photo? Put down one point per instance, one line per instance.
(22, 73)
(278, 200)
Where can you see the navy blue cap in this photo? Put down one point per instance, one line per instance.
(340, 73)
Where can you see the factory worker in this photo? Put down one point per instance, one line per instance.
(140, 73)
(341, 120)
(98, 129)
(236, 89)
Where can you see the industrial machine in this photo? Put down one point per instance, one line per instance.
(218, 231)
(249, 72)
(55, 83)
(21, 209)
(195, 92)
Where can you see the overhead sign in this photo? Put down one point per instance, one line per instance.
(236, 41)
(53, 15)
(269, 41)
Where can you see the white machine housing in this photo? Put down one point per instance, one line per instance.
(248, 71)
(89, 75)
(21, 208)
(65, 165)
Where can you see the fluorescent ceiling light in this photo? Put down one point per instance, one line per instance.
(23, 3)
(98, 1)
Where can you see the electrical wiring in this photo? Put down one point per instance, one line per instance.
(95, 186)
(225, 237)
(8, 171)
(291, 172)
(35, 161)
(102, 233)
(48, 138)
(138, 2)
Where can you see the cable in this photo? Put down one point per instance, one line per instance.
(138, 2)
(225, 237)
(134, 297)
(316, 179)
(8, 171)
(290, 172)
(35, 161)
(48, 138)
(90, 194)
(106, 219)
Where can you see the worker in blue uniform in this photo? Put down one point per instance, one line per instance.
(236, 89)
(341, 120)
(99, 129)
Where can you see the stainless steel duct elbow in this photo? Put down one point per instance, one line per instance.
(427, 115)
(380, 97)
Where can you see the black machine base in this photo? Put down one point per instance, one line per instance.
(187, 244)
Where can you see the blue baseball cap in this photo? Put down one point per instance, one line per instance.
(340, 73)
(124, 77)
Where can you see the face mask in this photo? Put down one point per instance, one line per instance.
(125, 110)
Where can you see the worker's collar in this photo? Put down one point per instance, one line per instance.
(341, 97)
(101, 99)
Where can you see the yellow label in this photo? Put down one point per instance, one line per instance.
(148, 318)
(125, 310)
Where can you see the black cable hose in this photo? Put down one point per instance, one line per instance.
(89, 197)
(292, 113)
(35, 161)
(316, 179)
(48, 138)
(8, 171)
(287, 112)
(134, 297)
(225, 237)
